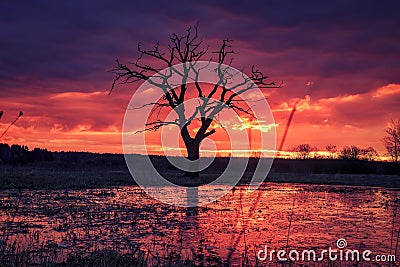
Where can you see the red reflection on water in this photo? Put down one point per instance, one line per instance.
(121, 218)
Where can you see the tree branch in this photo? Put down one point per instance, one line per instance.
(187, 49)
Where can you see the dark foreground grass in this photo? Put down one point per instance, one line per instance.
(139, 258)
(56, 175)
(53, 175)
(105, 258)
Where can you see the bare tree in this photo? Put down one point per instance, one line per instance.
(303, 151)
(188, 49)
(369, 153)
(332, 149)
(350, 152)
(392, 140)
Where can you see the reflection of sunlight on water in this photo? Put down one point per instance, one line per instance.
(122, 217)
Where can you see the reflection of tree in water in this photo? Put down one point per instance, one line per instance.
(191, 235)
(194, 242)
(192, 194)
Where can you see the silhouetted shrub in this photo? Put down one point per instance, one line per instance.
(17, 154)
(40, 154)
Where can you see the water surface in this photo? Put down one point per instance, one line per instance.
(281, 216)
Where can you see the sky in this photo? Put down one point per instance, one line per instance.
(339, 59)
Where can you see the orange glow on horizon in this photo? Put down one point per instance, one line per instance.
(76, 121)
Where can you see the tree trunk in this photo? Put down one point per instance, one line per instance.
(193, 151)
(193, 145)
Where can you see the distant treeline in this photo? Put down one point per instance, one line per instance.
(17, 154)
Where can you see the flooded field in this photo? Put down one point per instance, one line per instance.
(51, 226)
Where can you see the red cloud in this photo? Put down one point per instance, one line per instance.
(357, 119)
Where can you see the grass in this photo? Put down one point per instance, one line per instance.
(12, 256)
(86, 170)
(58, 175)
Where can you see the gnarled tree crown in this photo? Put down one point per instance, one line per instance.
(157, 66)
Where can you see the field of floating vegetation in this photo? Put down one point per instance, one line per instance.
(122, 226)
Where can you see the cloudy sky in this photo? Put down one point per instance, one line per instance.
(341, 59)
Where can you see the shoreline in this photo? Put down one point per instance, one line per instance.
(363, 180)
(56, 177)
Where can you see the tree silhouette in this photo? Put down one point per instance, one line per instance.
(392, 139)
(332, 149)
(350, 152)
(188, 49)
(369, 153)
(303, 151)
